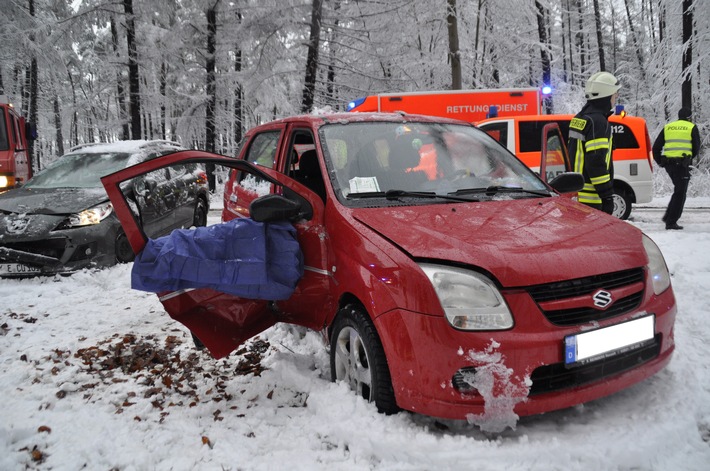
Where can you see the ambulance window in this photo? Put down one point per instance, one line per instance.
(4, 144)
(623, 137)
(498, 131)
(531, 135)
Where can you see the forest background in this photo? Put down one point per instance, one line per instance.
(203, 71)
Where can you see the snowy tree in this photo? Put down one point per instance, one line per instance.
(203, 71)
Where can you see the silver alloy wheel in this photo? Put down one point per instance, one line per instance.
(622, 205)
(352, 363)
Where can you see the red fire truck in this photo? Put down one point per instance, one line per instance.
(15, 161)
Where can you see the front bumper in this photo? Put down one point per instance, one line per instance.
(61, 252)
(522, 368)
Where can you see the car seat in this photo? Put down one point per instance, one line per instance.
(309, 173)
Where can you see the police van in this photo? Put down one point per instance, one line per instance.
(632, 155)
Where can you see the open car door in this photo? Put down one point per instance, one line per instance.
(222, 321)
(554, 158)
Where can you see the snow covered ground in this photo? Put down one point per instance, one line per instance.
(94, 375)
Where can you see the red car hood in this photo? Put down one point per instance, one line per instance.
(520, 242)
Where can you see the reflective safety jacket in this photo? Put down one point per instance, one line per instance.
(590, 145)
(678, 137)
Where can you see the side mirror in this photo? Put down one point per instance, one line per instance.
(274, 208)
(568, 182)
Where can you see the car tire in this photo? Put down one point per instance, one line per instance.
(123, 249)
(200, 217)
(622, 204)
(358, 358)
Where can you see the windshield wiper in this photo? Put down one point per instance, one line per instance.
(495, 189)
(395, 194)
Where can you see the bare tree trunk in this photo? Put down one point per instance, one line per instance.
(600, 39)
(35, 163)
(476, 60)
(570, 43)
(687, 86)
(238, 93)
(210, 66)
(661, 38)
(580, 42)
(133, 74)
(120, 91)
(309, 86)
(454, 53)
(58, 126)
(614, 39)
(544, 50)
(654, 43)
(211, 89)
(635, 40)
(163, 100)
(330, 81)
(74, 126)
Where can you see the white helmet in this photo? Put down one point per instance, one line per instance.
(600, 85)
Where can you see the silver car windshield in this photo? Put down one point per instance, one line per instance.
(81, 170)
(371, 159)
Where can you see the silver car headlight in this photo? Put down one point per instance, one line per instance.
(470, 300)
(88, 217)
(657, 268)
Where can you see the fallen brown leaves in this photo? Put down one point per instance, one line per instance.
(164, 368)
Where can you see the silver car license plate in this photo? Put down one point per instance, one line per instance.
(608, 341)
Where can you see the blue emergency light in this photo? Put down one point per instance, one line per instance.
(546, 90)
(355, 103)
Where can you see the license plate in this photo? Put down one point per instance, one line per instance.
(17, 269)
(608, 341)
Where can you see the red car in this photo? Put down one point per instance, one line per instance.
(451, 280)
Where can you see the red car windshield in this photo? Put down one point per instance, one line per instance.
(381, 157)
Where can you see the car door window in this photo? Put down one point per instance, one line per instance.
(262, 150)
(153, 201)
(4, 143)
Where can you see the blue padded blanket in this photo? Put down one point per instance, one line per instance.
(241, 257)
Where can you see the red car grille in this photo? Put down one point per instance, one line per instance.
(570, 302)
(557, 377)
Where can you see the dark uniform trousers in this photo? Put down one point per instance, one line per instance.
(679, 172)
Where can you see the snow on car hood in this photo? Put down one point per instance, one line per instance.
(51, 201)
(520, 242)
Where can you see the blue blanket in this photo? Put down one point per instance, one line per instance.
(241, 257)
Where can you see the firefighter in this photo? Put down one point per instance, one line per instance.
(590, 142)
(674, 149)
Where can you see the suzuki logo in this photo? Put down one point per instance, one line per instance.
(602, 299)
